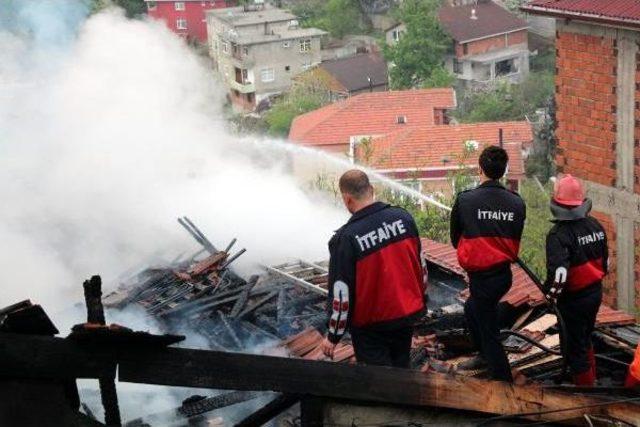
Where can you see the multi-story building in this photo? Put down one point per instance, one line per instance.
(489, 42)
(185, 18)
(257, 49)
(598, 123)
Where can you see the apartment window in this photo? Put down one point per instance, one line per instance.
(267, 74)
(507, 67)
(181, 24)
(179, 5)
(287, 68)
(305, 45)
(152, 5)
(457, 66)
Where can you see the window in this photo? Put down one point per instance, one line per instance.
(306, 65)
(152, 5)
(179, 5)
(305, 45)
(245, 50)
(286, 45)
(395, 35)
(267, 75)
(225, 47)
(181, 24)
(287, 68)
(457, 66)
(506, 67)
(401, 120)
(465, 48)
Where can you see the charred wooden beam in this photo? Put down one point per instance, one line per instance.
(47, 357)
(95, 314)
(271, 410)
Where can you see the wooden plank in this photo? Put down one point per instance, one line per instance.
(293, 279)
(56, 358)
(542, 324)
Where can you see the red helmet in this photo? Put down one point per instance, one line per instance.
(568, 191)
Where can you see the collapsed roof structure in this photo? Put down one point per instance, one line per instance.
(282, 311)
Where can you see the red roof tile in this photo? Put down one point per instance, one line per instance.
(369, 114)
(612, 11)
(491, 20)
(523, 290)
(438, 146)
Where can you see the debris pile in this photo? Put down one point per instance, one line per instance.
(203, 294)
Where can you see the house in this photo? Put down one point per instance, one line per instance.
(258, 49)
(347, 77)
(598, 106)
(185, 18)
(489, 42)
(336, 127)
(425, 157)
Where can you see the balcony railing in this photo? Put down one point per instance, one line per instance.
(246, 87)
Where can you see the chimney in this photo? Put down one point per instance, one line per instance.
(473, 15)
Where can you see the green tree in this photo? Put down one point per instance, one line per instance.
(132, 8)
(341, 17)
(302, 98)
(533, 246)
(541, 161)
(504, 101)
(419, 52)
(439, 77)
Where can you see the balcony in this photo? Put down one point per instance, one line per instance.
(246, 87)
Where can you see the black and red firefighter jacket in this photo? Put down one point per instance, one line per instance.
(577, 252)
(486, 227)
(376, 274)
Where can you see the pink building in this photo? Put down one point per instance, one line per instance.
(186, 18)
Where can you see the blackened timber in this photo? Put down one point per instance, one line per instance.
(258, 303)
(199, 368)
(42, 357)
(244, 296)
(271, 410)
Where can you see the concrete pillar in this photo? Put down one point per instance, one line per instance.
(625, 117)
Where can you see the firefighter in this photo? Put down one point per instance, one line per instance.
(376, 277)
(577, 258)
(486, 227)
(633, 376)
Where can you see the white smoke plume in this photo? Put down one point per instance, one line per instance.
(109, 130)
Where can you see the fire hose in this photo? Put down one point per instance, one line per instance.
(554, 310)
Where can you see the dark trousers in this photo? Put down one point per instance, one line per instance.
(382, 348)
(579, 312)
(481, 313)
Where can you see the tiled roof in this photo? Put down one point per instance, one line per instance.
(621, 11)
(438, 146)
(369, 114)
(523, 290)
(491, 20)
(353, 72)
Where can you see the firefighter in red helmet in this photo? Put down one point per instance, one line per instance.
(577, 258)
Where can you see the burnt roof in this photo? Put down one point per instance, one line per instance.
(491, 20)
(353, 72)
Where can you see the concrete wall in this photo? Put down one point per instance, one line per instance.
(597, 110)
(275, 56)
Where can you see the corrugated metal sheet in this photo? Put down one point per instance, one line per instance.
(626, 10)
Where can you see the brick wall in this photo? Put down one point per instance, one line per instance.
(491, 43)
(586, 112)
